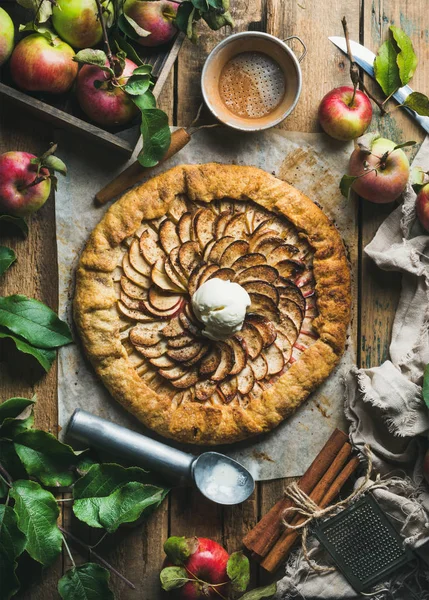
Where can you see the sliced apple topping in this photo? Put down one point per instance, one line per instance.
(133, 275)
(149, 246)
(237, 227)
(168, 236)
(234, 251)
(162, 280)
(220, 223)
(225, 364)
(252, 259)
(219, 248)
(210, 362)
(168, 259)
(146, 335)
(189, 256)
(203, 224)
(184, 227)
(204, 389)
(274, 359)
(260, 272)
(136, 259)
(229, 388)
(134, 314)
(251, 339)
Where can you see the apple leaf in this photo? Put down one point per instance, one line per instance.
(43, 356)
(121, 43)
(46, 32)
(109, 495)
(14, 407)
(201, 5)
(37, 513)
(10, 460)
(418, 102)
(11, 426)
(85, 582)
(145, 101)
(346, 184)
(130, 28)
(238, 570)
(156, 137)
(12, 545)
(7, 257)
(42, 9)
(406, 58)
(173, 578)
(425, 390)
(98, 58)
(418, 178)
(53, 163)
(179, 549)
(186, 18)
(215, 20)
(264, 592)
(33, 321)
(386, 69)
(404, 145)
(219, 4)
(137, 84)
(46, 458)
(16, 222)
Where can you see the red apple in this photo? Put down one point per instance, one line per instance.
(77, 22)
(107, 105)
(383, 174)
(155, 16)
(7, 36)
(207, 561)
(422, 208)
(17, 196)
(342, 120)
(38, 65)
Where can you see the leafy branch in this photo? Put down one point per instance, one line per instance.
(394, 66)
(33, 463)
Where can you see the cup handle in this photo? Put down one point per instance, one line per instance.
(304, 52)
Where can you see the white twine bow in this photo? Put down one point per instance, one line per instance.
(306, 507)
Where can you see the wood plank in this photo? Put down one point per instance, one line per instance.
(35, 275)
(379, 289)
(324, 67)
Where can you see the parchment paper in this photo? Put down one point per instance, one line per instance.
(311, 162)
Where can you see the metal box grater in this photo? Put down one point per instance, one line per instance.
(363, 543)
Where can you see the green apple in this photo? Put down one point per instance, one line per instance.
(77, 23)
(7, 35)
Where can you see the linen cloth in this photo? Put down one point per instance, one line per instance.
(385, 408)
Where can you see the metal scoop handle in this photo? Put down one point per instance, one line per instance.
(144, 451)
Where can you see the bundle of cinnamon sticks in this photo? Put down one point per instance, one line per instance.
(270, 541)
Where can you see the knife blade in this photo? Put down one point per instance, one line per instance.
(365, 59)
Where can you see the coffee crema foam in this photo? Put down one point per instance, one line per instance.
(252, 85)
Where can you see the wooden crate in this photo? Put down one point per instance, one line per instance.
(64, 112)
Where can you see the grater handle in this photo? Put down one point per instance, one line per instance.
(304, 51)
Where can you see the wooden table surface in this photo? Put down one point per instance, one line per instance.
(137, 553)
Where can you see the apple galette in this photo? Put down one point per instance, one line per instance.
(212, 300)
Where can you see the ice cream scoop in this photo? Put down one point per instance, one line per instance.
(218, 477)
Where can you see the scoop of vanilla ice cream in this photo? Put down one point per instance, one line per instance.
(221, 306)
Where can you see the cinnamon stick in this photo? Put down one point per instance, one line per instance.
(135, 172)
(323, 495)
(264, 535)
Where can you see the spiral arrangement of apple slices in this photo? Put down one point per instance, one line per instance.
(166, 261)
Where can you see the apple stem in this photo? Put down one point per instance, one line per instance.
(35, 181)
(105, 37)
(354, 72)
(383, 160)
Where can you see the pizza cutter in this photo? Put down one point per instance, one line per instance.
(218, 477)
